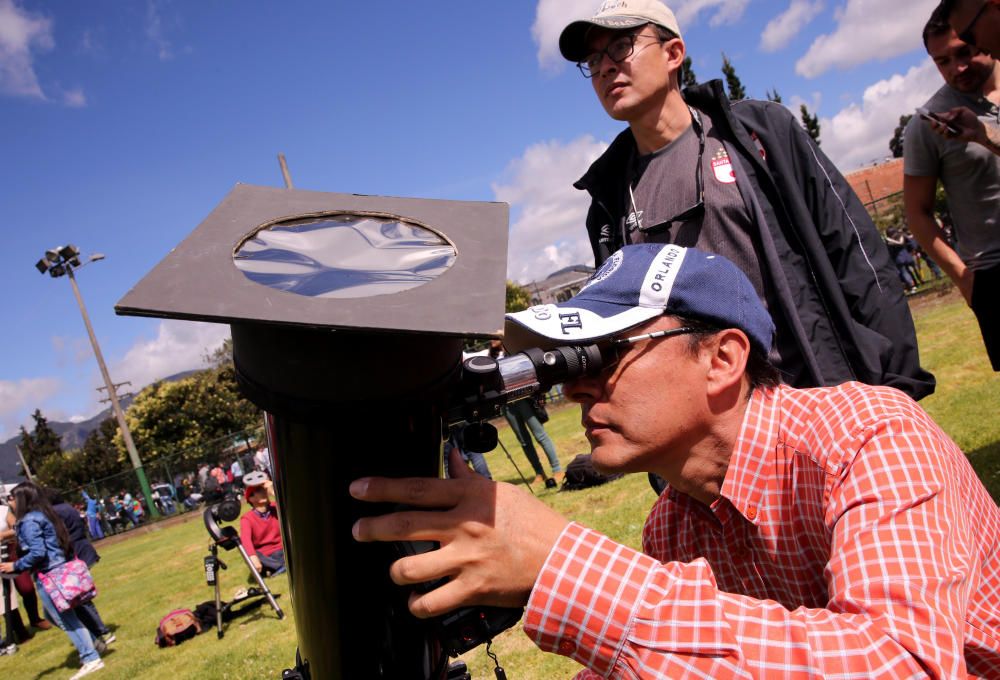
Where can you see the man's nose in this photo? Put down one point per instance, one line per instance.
(606, 60)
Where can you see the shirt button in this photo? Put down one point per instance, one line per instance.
(752, 512)
(566, 647)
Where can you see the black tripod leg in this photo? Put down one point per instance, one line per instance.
(519, 473)
(218, 595)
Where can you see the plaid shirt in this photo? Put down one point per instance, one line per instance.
(852, 539)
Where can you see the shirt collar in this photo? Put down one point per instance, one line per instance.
(751, 467)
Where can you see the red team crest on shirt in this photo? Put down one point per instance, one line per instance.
(722, 166)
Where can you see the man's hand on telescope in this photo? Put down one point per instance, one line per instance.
(494, 537)
(257, 564)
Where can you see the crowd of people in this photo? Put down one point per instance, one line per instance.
(43, 533)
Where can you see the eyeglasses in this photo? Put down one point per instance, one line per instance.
(618, 50)
(968, 35)
(695, 211)
(618, 344)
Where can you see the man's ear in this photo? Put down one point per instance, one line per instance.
(675, 51)
(728, 353)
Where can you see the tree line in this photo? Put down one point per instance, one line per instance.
(169, 421)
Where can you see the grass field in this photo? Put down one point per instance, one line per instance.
(146, 575)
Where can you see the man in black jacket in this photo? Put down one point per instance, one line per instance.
(745, 181)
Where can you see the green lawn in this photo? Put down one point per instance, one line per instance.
(147, 575)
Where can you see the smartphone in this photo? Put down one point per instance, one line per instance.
(930, 115)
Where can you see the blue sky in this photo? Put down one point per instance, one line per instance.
(123, 124)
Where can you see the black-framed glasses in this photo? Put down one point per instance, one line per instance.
(618, 344)
(695, 211)
(618, 50)
(968, 35)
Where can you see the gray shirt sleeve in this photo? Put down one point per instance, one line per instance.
(921, 149)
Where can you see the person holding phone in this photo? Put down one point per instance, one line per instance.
(970, 174)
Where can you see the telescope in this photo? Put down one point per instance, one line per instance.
(226, 537)
(348, 315)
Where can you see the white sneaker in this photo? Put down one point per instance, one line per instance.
(88, 668)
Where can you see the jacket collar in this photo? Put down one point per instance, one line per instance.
(709, 98)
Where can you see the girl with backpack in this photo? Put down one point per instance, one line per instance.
(45, 545)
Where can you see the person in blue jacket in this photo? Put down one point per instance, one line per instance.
(44, 545)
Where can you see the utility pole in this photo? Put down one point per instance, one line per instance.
(24, 464)
(284, 171)
(115, 405)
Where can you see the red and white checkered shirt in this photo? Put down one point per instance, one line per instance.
(852, 539)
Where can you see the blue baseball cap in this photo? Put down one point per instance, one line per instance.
(639, 283)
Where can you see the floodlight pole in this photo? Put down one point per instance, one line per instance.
(113, 395)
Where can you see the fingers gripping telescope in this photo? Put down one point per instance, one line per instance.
(488, 384)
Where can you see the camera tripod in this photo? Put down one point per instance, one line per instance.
(229, 539)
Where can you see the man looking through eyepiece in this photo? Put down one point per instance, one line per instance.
(826, 532)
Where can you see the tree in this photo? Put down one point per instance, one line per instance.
(518, 297)
(773, 96)
(896, 143)
(222, 356)
(176, 419)
(688, 78)
(41, 443)
(63, 471)
(810, 123)
(101, 457)
(736, 91)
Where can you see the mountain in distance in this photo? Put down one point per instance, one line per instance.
(72, 435)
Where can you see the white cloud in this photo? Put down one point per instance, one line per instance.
(867, 30)
(551, 17)
(860, 134)
(20, 397)
(74, 98)
(725, 11)
(22, 34)
(154, 31)
(781, 29)
(178, 346)
(548, 232)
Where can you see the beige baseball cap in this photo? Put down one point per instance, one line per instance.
(615, 14)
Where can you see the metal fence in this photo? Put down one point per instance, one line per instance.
(179, 482)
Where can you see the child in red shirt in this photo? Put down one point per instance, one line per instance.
(260, 532)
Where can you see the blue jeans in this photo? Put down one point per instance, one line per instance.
(68, 621)
(95, 527)
(522, 419)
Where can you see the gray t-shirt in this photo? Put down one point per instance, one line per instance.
(664, 184)
(969, 172)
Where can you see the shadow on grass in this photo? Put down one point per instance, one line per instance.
(72, 662)
(986, 463)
